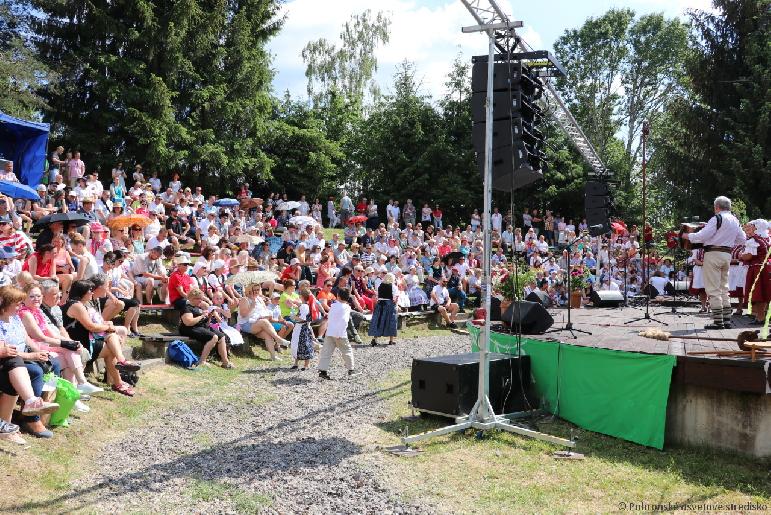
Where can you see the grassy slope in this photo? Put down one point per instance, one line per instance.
(504, 473)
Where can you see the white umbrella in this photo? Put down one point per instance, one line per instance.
(287, 206)
(302, 221)
(257, 277)
(250, 239)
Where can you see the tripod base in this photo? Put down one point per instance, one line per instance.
(569, 327)
(646, 317)
(485, 422)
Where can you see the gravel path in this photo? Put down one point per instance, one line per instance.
(309, 450)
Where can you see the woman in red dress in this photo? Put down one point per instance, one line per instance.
(756, 257)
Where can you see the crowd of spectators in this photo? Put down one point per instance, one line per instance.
(73, 293)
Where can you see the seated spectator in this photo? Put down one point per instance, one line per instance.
(180, 283)
(201, 322)
(120, 293)
(442, 304)
(40, 264)
(21, 369)
(254, 318)
(150, 276)
(83, 323)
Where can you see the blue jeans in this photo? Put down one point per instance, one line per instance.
(459, 295)
(35, 372)
(438, 223)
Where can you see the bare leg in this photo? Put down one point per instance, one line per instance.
(7, 403)
(222, 349)
(19, 379)
(208, 346)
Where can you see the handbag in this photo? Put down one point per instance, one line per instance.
(70, 345)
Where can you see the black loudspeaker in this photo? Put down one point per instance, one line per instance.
(531, 315)
(596, 207)
(447, 385)
(495, 308)
(606, 298)
(511, 168)
(540, 297)
(479, 77)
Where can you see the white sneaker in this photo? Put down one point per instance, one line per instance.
(81, 407)
(88, 388)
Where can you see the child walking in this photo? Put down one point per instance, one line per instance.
(302, 334)
(337, 337)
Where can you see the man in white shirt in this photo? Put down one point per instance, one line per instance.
(497, 220)
(336, 337)
(94, 186)
(442, 304)
(160, 240)
(157, 207)
(149, 274)
(722, 232)
(659, 281)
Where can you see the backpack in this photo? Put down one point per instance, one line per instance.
(179, 353)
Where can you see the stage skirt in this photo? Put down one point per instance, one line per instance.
(737, 276)
(697, 281)
(762, 291)
(383, 319)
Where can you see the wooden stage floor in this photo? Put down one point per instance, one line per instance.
(609, 330)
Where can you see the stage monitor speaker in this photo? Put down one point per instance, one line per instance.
(447, 385)
(606, 298)
(540, 297)
(532, 316)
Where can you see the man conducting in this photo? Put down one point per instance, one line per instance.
(719, 236)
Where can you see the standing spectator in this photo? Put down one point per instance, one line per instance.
(438, 217)
(408, 213)
(346, 208)
(373, 219)
(8, 174)
(155, 183)
(55, 164)
(384, 315)
(76, 169)
(331, 215)
(425, 216)
(175, 185)
(527, 220)
(497, 220)
(119, 173)
(138, 176)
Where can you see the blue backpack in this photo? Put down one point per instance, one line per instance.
(179, 353)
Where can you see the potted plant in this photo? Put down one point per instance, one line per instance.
(505, 286)
(579, 281)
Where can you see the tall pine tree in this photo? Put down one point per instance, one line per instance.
(174, 84)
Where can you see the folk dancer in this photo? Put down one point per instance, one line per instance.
(756, 250)
(696, 287)
(722, 232)
(737, 276)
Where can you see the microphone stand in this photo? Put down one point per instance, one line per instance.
(646, 316)
(569, 325)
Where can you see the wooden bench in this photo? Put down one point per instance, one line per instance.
(167, 311)
(156, 345)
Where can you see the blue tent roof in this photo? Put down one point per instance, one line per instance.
(25, 143)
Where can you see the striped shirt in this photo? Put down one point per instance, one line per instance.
(15, 240)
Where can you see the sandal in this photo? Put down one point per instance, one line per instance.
(228, 366)
(13, 438)
(123, 389)
(128, 366)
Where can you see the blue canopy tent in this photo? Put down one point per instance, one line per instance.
(25, 143)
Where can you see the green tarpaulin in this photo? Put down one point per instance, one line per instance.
(622, 394)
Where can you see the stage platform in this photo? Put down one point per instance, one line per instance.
(610, 331)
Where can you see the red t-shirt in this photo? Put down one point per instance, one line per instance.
(177, 279)
(438, 214)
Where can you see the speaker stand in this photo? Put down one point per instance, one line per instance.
(569, 325)
(482, 416)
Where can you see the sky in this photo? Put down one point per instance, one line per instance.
(428, 32)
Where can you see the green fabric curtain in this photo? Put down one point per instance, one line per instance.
(621, 394)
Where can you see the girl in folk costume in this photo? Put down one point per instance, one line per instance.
(737, 276)
(303, 340)
(757, 288)
(697, 280)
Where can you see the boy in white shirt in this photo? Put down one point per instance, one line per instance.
(337, 335)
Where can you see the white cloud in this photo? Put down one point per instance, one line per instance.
(429, 36)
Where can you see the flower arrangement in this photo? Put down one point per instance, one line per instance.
(579, 278)
(504, 283)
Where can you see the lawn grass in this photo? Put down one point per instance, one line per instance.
(504, 473)
(44, 469)
(328, 232)
(242, 500)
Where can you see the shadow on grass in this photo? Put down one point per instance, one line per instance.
(232, 460)
(696, 466)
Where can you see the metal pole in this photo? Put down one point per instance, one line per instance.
(484, 362)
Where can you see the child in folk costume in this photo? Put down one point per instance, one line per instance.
(737, 276)
(384, 316)
(757, 287)
(303, 340)
(697, 279)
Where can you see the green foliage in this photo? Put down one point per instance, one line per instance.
(508, 286)
(21, 72)
(177, 84)
(715, 138)
(346, 69)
